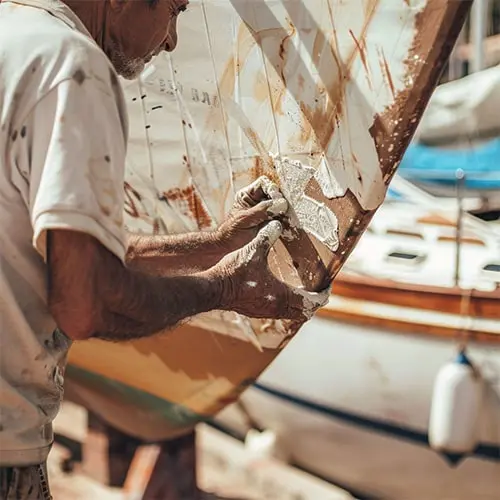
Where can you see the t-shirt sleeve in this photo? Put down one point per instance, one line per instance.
(71, 151)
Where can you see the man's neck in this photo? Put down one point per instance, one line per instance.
(92, 13)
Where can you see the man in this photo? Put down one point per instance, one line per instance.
(65, 259)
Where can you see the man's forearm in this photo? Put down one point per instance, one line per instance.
(170, 255)
(138, 305)
(91, 293)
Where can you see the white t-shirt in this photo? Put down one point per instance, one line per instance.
(63, 132)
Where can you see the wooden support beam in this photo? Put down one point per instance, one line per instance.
(174, 474)
(118, 460)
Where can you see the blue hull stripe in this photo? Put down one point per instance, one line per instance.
(487, 451)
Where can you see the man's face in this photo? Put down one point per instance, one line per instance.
(139, 29)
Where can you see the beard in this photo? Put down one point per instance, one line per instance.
(126, 67)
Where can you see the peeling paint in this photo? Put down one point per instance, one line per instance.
(309, 214)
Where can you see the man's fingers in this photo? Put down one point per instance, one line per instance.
(296, 303)
(269, 187)
(251, 195)
(278, 206)
(264, 211)
(258, 190)
(299, 304)
(312, 301)
(244, 199)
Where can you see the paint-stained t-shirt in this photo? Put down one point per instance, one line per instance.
(63, 138)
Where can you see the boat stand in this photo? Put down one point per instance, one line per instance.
(146, 471)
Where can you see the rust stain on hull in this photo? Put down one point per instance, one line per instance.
(386, 72)
(189, 202)
(401, 119)
(261, 88)
(132, 196)
(322, 120)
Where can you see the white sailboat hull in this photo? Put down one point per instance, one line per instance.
(351, 403)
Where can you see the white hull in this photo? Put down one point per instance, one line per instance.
(374, 390)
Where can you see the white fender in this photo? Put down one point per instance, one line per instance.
(456, 409)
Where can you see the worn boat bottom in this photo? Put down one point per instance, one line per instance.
(130, 410)
(157, 388)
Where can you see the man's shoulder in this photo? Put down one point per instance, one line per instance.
(47, 50)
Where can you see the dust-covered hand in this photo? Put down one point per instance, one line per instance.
(249, 287)
(254, 205)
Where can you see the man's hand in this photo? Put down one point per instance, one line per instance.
(250, 288)
(254, 205)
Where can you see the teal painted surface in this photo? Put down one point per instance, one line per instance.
(178, 415)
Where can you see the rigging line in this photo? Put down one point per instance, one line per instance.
(466, 294)
(465, 313)
(219, 95)
(183, 110)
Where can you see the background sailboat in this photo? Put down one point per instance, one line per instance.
(350, 397)
(460, 129)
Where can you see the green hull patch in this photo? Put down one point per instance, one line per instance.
(178, 415)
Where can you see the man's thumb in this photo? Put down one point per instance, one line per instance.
(268, 235)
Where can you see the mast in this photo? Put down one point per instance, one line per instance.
(456, 65)
(478, 29)
(460, 176)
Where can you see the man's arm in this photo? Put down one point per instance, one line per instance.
(178, 254)
(91, 293)
(171, 255)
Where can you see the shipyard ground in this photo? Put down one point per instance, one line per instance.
(225, 470)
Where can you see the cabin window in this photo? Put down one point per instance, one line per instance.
(406, 257)
(495, 268)
(491, 272)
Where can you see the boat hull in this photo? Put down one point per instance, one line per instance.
(156, 388)
(351, 403)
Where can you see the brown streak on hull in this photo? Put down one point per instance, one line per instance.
(404, 327)
(432, 298)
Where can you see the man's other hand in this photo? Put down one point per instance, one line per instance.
(249, 287)
(254, 206)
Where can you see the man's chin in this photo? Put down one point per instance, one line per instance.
(131, 72)
(130, 69)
